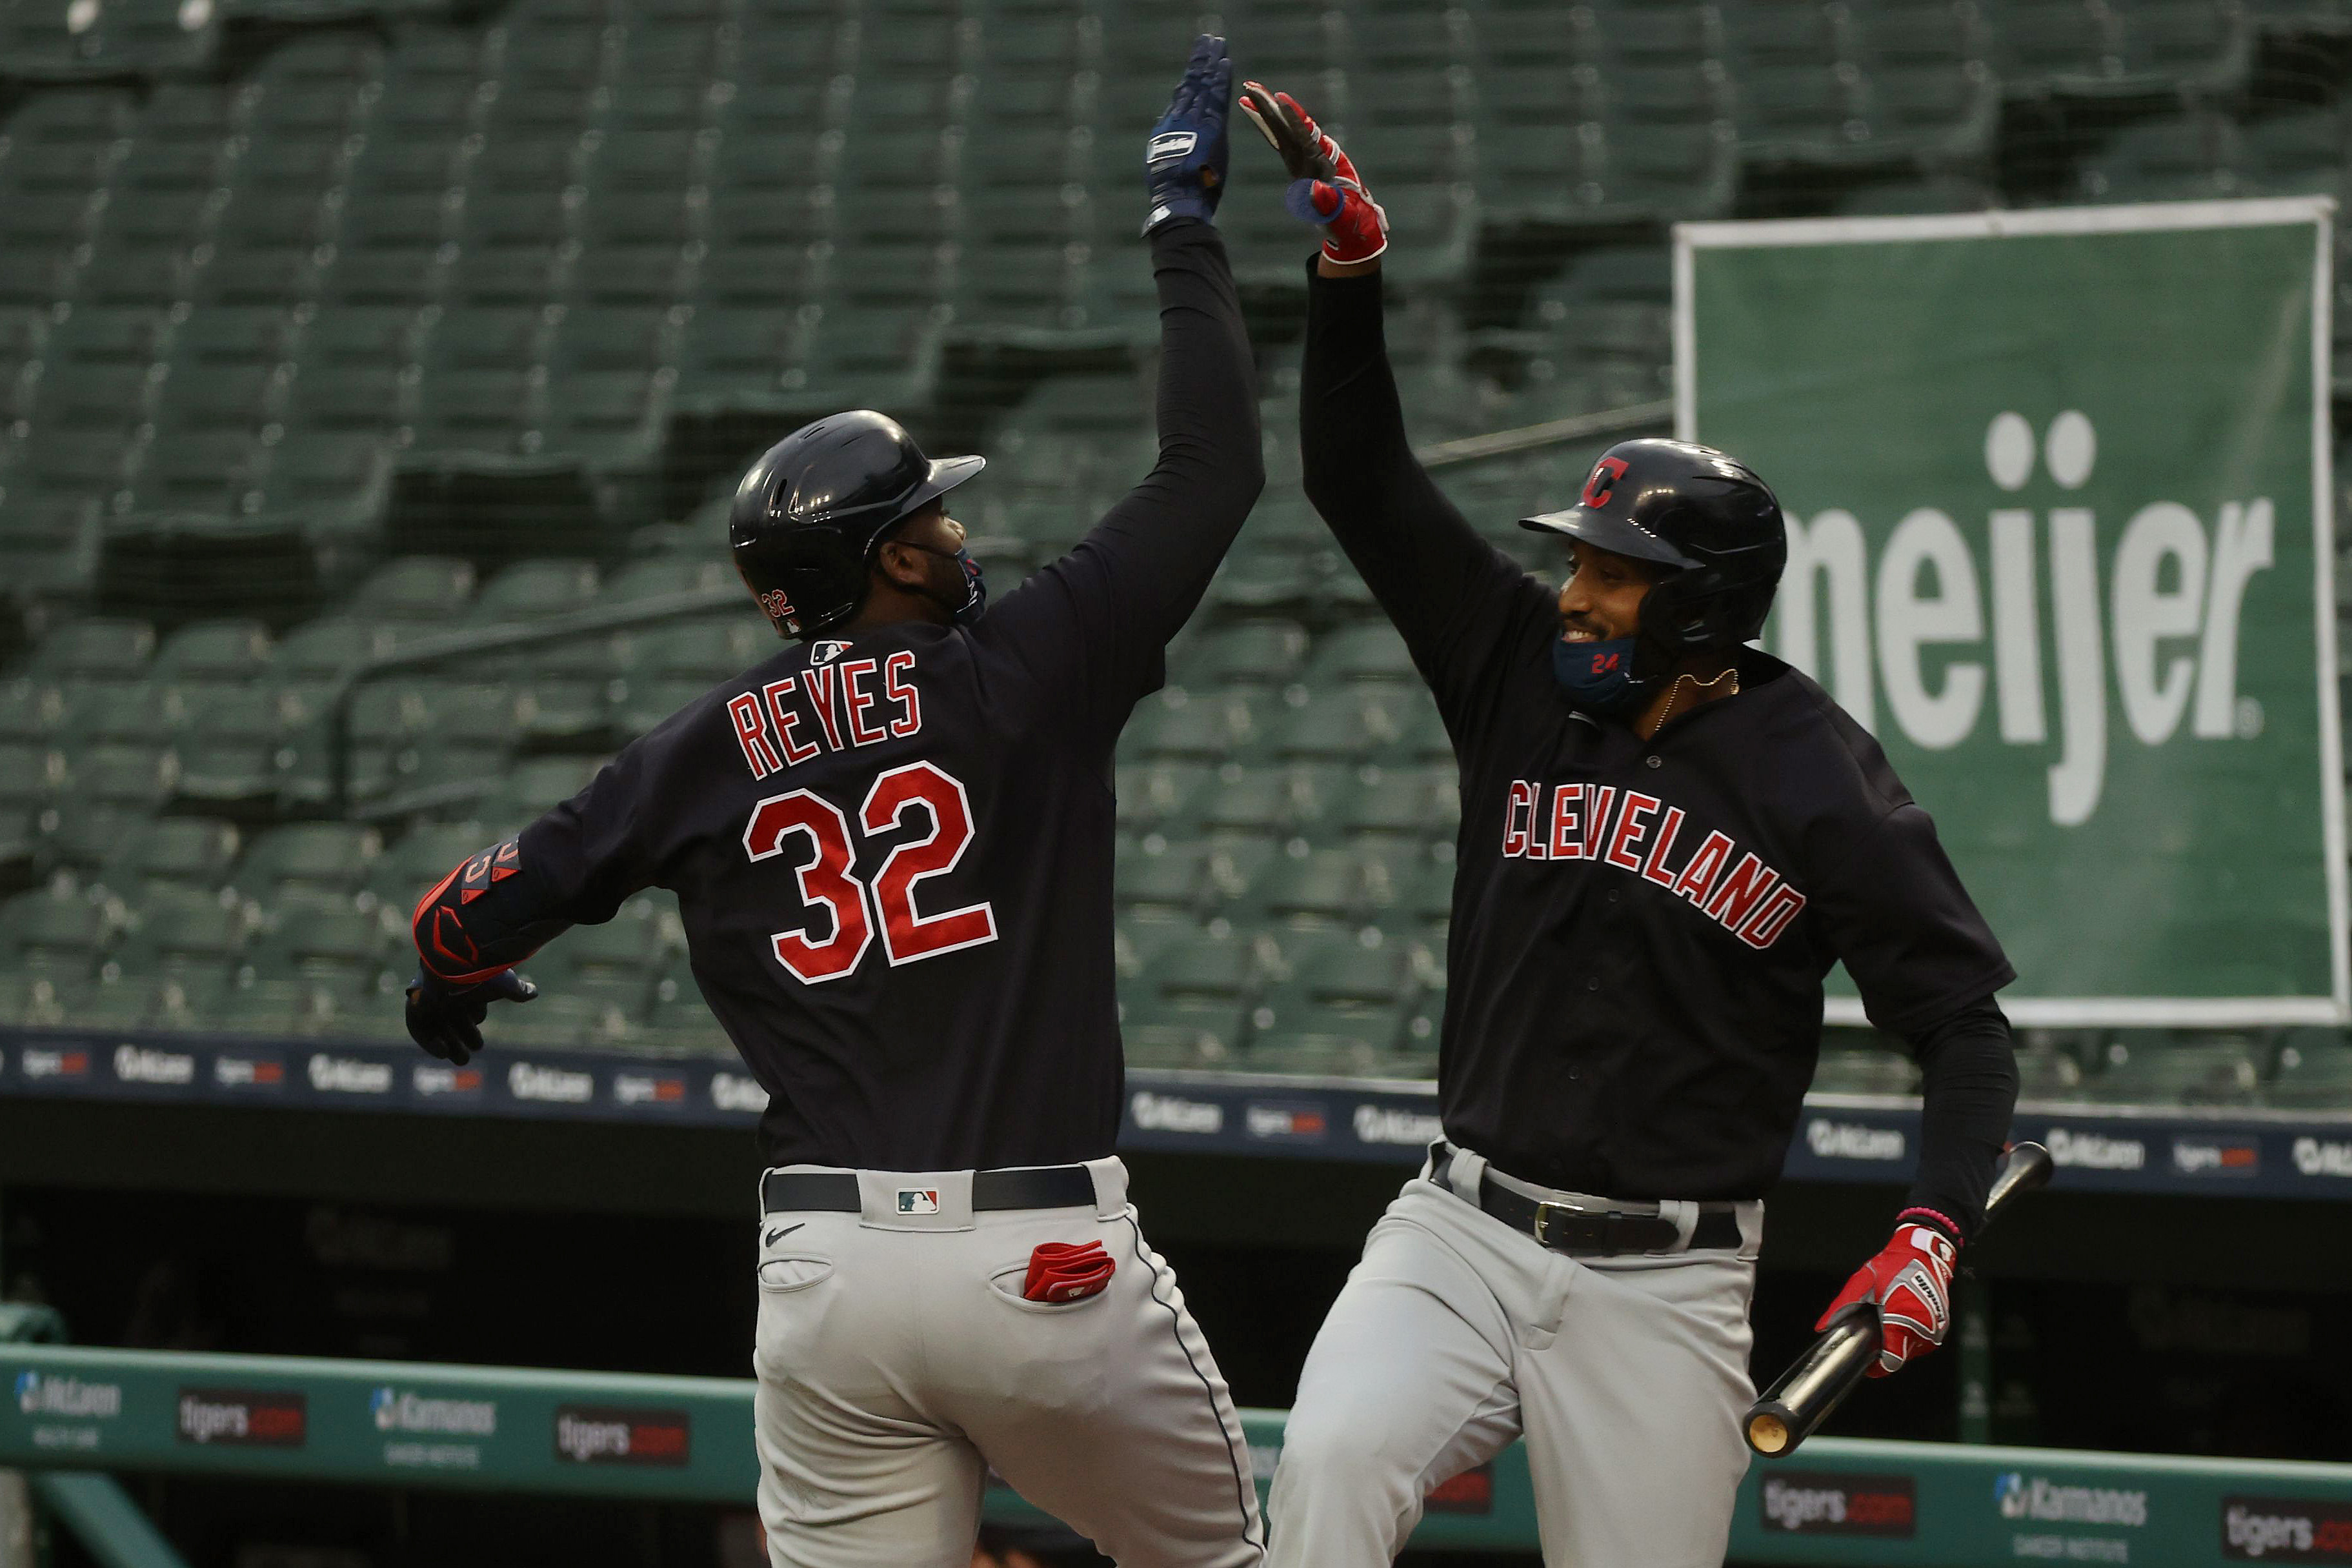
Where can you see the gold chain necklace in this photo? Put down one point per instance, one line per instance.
(1675, 692)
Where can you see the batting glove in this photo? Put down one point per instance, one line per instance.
(1184, 162)
(1911, 1284)
(1324, 188)
(446, 1019)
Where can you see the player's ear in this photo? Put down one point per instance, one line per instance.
(900, 565)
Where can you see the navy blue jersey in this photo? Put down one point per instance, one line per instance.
(1641, 928)
(892, 851)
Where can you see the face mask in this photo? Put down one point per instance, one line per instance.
(975, 584)
(1597, 676)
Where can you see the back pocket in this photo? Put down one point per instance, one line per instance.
(1006, 1283)
(783, 1276)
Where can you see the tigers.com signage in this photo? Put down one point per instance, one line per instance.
(2060, 535)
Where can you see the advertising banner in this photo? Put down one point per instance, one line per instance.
(2058, 492)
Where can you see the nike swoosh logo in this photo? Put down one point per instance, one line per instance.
(776, 1235)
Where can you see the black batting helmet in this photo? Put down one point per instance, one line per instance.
(1706, 516)
(809, 516)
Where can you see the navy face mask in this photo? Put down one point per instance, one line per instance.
(975, 584)
(1597, 676)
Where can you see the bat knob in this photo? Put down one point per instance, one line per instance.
(1767, 1433)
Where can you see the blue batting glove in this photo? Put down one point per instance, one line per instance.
(1184, 162)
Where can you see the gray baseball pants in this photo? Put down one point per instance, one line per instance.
(1456, 1333)
(898, 1360)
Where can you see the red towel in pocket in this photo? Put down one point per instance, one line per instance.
(1062, 1272)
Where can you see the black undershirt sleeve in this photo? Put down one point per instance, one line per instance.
(576, 865)
(1969, 1070)
(1456, 600)
(1098, 619)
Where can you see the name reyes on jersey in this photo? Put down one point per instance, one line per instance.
(1637, 833)
(825, 708)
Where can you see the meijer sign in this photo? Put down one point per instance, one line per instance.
(2060, 534)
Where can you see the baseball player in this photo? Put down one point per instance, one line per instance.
(1668, 840)
(891, 845)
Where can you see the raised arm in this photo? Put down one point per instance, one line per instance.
(1102, 615)
(1425, 563)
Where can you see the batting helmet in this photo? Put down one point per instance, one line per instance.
(1691, 509)
(811, 513)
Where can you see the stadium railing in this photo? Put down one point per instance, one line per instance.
(81, 1412)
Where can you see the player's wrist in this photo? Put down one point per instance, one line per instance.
(1933, 1219)
(1176, 212)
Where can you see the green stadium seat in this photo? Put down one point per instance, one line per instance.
(30, 710)
(1158, 792)
(318, 860)
(2046, 1073)
(183, 854)
(2312, 1072)
(531, 590)
(223, 651)
(419, 588)
(1206, 726)
(2069, 46)
(1255, 802)
(1252, 652)
(81, 833)
(1370, 653)
(53, 935)
(1403, 803)
(97, 647)
(1320, 889)
(645, 704)
(423, 857)
(704, 650)
(662, 579)
(1874, 1070)
(1347, 723)
(1200, 985)
(29, 773)
(2155, 1069)
(181, 933)
(317, 938)
(535, 786)
(317, 650)
(2188, 158)
(136, 779)
(2299, 152)
(1166, 882)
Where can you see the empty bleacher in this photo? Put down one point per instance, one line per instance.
(327, 328)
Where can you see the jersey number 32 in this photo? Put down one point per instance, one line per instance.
(827, 878)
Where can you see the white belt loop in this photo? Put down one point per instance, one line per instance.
(1110, 1186)
(1465, 1174)
(1684, 1216)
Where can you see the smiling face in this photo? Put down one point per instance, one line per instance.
(1602, 597)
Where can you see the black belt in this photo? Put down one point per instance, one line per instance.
(1595, 1233)
(1032, 1187)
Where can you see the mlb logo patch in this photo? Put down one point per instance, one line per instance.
(826, 652)
(918, 1200)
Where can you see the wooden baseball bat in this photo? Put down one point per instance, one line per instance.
(1793, 1408)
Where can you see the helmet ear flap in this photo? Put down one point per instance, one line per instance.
(1697, 609)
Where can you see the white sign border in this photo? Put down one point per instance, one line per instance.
(2055, 1012)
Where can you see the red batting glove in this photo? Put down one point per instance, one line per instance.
(1911, 1281)
(1324, 188)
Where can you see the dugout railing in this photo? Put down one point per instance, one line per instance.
(73, 1411)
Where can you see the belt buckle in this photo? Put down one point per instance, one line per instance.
(1547, 1211)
